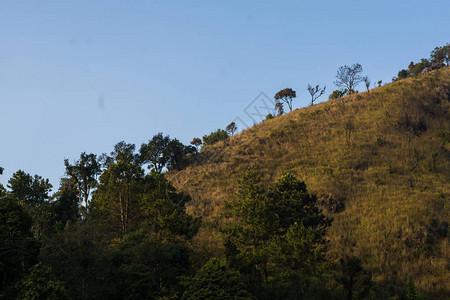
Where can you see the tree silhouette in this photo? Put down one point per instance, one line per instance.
(315, 92)
(231, 128)
(349, 77)
(366, 82)
(286, 96)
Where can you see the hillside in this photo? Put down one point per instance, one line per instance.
(382, 156)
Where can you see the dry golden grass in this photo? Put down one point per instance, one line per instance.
(382, 153)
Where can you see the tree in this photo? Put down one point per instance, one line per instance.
(118, 192)
(367, 83)
(214, 137)
(84, 174)
(441, 55)
(279, 108)
(279, 236)
(161, 152)
(18, 249)
(32, 194)
(215, 280)
(28, 190)
(337, 94)
(197, 142)
(150, 267)
(416, 69)
(155, 152)
(231, 128)
(164, 209)
(349, 77)
(315, 92)
(286, 96)
(41, 284)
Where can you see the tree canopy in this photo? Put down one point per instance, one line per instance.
(286, 96)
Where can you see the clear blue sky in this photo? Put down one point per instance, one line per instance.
(83, 75)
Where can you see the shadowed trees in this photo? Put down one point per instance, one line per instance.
(162, 152)
(315, 92)
(84, 174)
(278, 240)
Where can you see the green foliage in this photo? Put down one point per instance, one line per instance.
(118, 193)
(279, 108)
(337, 94)
(18, 249)
(268, 117)
(197, 142)
(41, 284)
(215, 280)
(286, 96)
(279, 237)
(415, 69)
(214, 137)
(149, 267)
(83, 174)
(161, 152)
(231, 128)
(27, 190)
(32, 193)
(441, 55)
(165, 209)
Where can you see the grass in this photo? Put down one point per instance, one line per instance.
(385, 154)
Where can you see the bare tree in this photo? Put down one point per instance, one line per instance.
(349, 77)
(315, 92)
(367, 83)
(286, 96)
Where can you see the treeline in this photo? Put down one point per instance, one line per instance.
(114, 230)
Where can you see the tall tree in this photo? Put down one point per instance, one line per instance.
(315, 92)
(84, 174)
(161, 152)
(32, 193)
(117, 194)
(286, 96)
(279, 235)
(18, 249)
(349, 77)
(231, 128)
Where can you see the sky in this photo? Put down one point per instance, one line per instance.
(81, 76)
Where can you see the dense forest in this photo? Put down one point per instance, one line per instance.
(297, 207)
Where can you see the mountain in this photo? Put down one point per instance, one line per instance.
(379, 162)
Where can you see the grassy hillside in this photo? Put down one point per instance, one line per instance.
(383, 154)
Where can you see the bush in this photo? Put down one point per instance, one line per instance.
(337, 94)
(214, 137)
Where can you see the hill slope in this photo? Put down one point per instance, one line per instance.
(385, 155)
